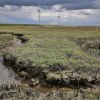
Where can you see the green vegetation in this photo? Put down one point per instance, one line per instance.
(5, 40)
(70, 55)
(50, 46)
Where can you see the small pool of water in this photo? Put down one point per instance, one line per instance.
(6, 73)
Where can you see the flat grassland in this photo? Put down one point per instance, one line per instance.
(50, 45)
(70, 55)
(57, 48)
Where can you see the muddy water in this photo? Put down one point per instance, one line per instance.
(6, 73)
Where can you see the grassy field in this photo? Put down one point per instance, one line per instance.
(70, 54)
(54, 45)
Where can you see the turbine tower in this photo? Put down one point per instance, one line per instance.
(59, 16)
(59, 19)
(39, 12)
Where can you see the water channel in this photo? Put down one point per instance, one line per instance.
(6, 73)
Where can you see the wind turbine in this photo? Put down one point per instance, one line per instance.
(39, 12)
(59, 19)
(59, 16)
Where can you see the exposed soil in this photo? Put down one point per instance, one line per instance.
(16, 91)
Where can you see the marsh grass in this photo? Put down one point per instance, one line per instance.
(5, 40)
(51, 45)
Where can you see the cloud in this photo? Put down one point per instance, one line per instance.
(67, 4)
(29, 14)
(72, 12)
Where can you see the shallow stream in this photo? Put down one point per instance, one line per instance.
(6, 73)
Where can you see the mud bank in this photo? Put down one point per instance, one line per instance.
(49, 85)
(17, 92)
(19, 36)
(58, 78)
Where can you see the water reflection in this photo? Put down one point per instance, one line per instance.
(6, 73)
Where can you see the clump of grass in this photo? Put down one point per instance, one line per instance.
(5, 40)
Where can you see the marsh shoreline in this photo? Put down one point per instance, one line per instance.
(48, 77)
(81, 81)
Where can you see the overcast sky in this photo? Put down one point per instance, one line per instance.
(72, 12)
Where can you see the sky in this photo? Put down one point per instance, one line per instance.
(71, 12)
